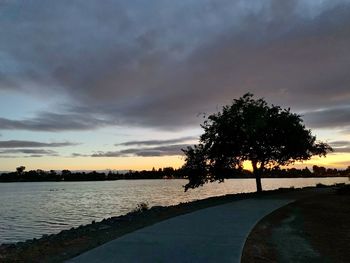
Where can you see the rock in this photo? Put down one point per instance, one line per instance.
(102, 227)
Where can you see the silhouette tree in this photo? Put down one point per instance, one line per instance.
(249, 130)
(319, 170)
(20, 169)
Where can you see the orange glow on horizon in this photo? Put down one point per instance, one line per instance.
(334, 160)
(95, 163)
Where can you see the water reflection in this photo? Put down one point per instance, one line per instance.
(29, 210)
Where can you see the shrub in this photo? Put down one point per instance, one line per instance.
(141, 207)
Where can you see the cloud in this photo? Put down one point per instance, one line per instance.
(12, 148)
(54, 122)
(135, 64)
(339, 143)
(325, 118)
(31, 152)
(168, 150)
(158, 142)
(340, 146)
(342, 150)
(79, 155)
(33, 144)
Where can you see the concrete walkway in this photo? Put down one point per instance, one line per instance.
(215, 234)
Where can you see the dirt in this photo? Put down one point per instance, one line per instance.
(314, 229)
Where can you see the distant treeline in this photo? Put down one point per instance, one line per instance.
(20, 175)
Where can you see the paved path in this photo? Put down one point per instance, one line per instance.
(215, 234)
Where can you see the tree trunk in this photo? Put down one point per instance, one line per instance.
(257, 174)
(258, 182)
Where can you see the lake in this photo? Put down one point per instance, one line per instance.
(29, 210)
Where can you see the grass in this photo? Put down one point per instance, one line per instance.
(314, 229)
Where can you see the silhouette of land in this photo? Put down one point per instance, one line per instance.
(20, 175)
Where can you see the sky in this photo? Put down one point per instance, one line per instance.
(92, 85)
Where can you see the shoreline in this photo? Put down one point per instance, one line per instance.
(138, 179)
(69, 243)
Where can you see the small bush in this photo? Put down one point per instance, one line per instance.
(141, 207)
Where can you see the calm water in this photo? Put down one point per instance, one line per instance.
(29, 210)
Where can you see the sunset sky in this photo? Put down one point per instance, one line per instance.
(124, 84)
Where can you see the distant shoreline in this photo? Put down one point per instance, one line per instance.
(21, 175)
(136, 179)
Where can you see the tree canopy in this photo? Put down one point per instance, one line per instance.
(249, 130)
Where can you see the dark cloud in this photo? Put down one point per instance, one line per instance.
(160, 64)
(340, 146)
(339, 143)
(32, 144)
(167, 150)
(31, 152)
(54, 122)
(12, 148)
(79, 155)
(107, 154)
(158, 142)
(342, 149)
(332, 117)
